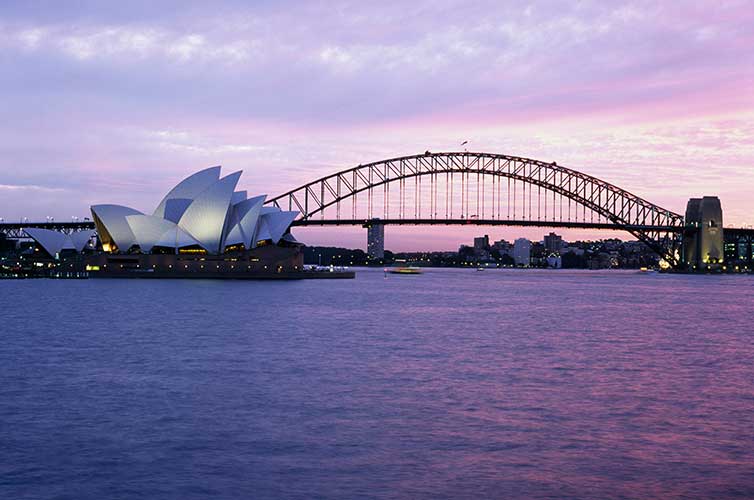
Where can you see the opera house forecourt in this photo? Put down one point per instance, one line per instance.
(203, 228)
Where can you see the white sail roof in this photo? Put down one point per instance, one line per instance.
(203, 210)
(277, 223)
(175, 207)
(270, 209)
(111, 220)
(234, 237)
(186, 190)
(263, 231)
(52, 241)
(205, 218)
(80, 239)
(289, 238)
(238, 197)
(176, 237)
(244, 220)
(148, 229)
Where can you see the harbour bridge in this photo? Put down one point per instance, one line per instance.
(480, 189)
(471, 188)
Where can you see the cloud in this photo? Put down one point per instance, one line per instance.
(30, 187)
(116, 100)
(316, 62)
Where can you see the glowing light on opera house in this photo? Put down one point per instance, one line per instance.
(203, 214)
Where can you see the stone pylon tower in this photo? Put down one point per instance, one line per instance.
(703, 242)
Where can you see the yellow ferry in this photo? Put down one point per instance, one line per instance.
(404, 270)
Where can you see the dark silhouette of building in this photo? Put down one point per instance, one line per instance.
(553, 244)
(482, 243)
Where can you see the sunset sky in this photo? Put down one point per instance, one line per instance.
(115, 102)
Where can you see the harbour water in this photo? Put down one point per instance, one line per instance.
(452, 384)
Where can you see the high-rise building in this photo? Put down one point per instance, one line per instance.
(553, 244)
(375, 240)
(482, 243)
(501, 245)
(522, 252)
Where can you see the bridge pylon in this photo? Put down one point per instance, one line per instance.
(703, 237)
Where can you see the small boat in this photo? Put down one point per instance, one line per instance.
(480, 269)
(405, 270)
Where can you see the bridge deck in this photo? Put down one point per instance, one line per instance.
(482, 222)
(14, 230)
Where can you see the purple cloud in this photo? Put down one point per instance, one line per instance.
(99, 97)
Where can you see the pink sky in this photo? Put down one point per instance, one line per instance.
(111, 103)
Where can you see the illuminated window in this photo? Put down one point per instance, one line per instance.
(192, 250)
(235, 248)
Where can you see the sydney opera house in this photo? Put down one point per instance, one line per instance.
(202, 226)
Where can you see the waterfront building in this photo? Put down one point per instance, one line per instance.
(203, 226)
(553, 244)
(501, 245)
(482, 243)
(203, 214)
(554, 261)
(522, 252)
(599, 260)
(375, 240)
(572, 249)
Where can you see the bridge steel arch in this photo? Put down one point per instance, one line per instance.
(657, 227)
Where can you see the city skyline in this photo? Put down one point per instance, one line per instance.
(655, 99)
